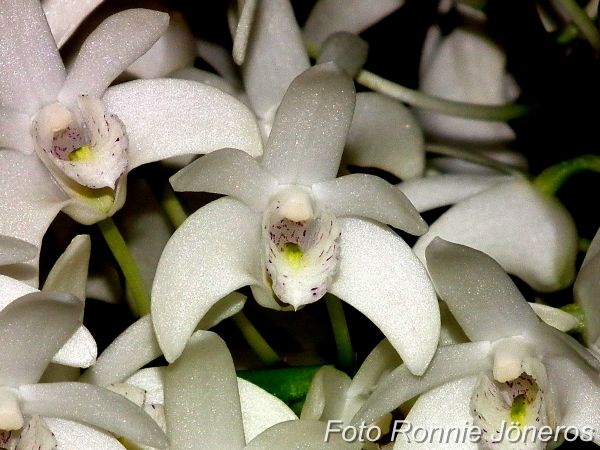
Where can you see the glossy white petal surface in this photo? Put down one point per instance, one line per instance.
(72, 435)
(110, 49)
(201, 396)
(450, 363)
(310, 127)
(529, 233)
(32, 71)
(327, 396)
(587, 291)
(15, 131)
(347, 50)
(14, 250)
(69, 273)
(382, 359)
(242, 31)
(353, 195)
(28, 349)
(354, 16)
(381, 277)
(480, 295)
(213, 253)
(166, 118)
(212, 79)
(220, 59)
(229, 172)
(385, 135)
(92, 405)
(274, 57)
(555, 317)
(64, 16)
(442, 190)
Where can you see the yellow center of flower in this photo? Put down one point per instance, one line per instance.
(81, 154)
(518, 410)
(294, 254)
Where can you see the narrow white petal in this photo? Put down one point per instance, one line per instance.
(243, 28)
(95, 406)
(103, 56)
(202, 401)
(555, 317)
(15, 131)
(381, 277)
(229, 172)
(260, 410)
(51, 320)
(213, 253)
(69, 273)
(480, 295)
(212, 79)
(352, 195)
(310, 127)
(64, 16)
(166, 118)
(528, 232)
(32, 72)
(152, 382)
(354, 16)
(347, 50)
(296, 434)
(442, 190)
(274, 57)
(72, 435)
(327, 395)
(79, 351)
(14, 250)
(11, 289)
(226, 307)
(587, 291)
(220, 59)
(450, 363)
(382, 359)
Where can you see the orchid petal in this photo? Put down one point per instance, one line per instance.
(555, 317)
(69, 273)
(151, 381)
(11, 290)
(446, 407)
(327, 395)
(274, 57)
(92, 405)
(65, 16)
(213, 253)
(220, 59)
(14, 250)
(15, 131)
(529, 233)
(330, 16)
(442, 190)
(103, 57)
(310, 127)
(382, 359)
(229, 172)
(228, 306)
(242, 31)
(32, 72)
(381, 277)
(347, 50)
(27, 350)
(450, 363)
(352, 195)
(202, 76)
(384, 134)
(167, 118)
(260, 410)
(587, 291)
(201, 396)
(480, 295)
(79, 351)
(304, 434)
(74, 436)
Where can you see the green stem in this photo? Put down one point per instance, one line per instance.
(552, 178)
(581, 20)
(133, 278)
(575, 310)
(260, 346)
(472, 156)
(345, 353)
(172, 207)
(500, 113)
(289, 384)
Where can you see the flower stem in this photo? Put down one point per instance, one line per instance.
(552, 178)
(255, 340)
(345, 353)
(500, 113)
(133, 278)
(471, 156)
(581, 20)
(172, 207)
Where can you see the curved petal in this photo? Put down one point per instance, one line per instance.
(327, 395)
(220, 59)
(450, 363)
(446, 407)
(587, 291)
(382, 359)
(203, 76)
(213, 253)
(384, 134)
(103, 56)
(28, 342)
(75, 436)
(14, 250)
(310, 127)
(555, 317)
(354, 16)
(65, 16)
(92, 405)
(480, 295)
(202, 402)
(166, 118)
(226, 307)
(442, 190)
(229, 172)
(352, 195)
(32, 72)
(274, 57)
(79, 351)
(242, 31)
(347, 50)
(151, 381)
(260, 410)
(381, 277)
(69, 273)
(529, 233)
(15, 131)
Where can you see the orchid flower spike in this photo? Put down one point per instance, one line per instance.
(517, 371)
(293, 232)
(68, 142)
(50, 416)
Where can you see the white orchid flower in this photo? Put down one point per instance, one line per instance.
(68, 145)
(14, 251)
(587, 292)
(285, 230)
(516, 369)
(530, 233)
(49, 416)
